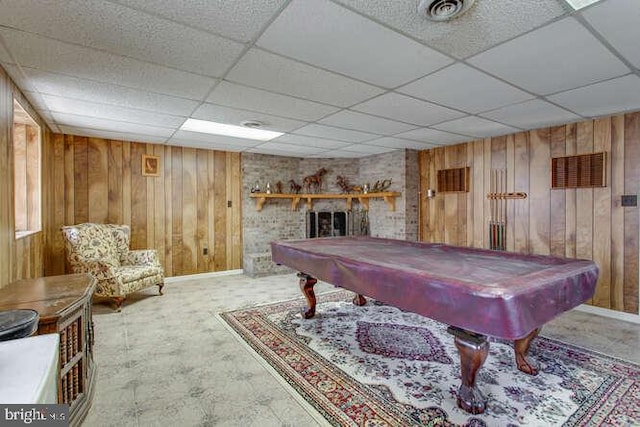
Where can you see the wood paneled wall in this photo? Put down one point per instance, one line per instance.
(583, 223)
(22, 258)
(193, 206)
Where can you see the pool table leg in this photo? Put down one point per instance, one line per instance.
(521, 348)
(306, 286)
(473, 351)
(359, 300)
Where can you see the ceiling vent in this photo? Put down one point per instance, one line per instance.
(253, 124)
(443, 10)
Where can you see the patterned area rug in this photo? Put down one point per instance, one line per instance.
(378, 366)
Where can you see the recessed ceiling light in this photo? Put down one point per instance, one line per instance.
(204, 126)
(579, 4)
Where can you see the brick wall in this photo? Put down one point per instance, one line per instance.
(277, 220)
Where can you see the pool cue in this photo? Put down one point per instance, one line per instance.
(491, 206)
(504, 214)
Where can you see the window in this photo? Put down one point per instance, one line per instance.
(26, 172)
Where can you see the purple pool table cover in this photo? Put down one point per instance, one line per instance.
(495, 293)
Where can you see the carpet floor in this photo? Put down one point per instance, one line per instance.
(379, 366)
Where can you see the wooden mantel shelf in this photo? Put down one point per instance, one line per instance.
(388, 196)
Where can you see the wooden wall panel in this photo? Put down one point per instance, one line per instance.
(602, 217)
(98, 183)
(138, 198)
(80, 180)
(539, 191)
(521, 182)
(631, 218)
(451, 219)
(510, 161)
(219, 205)
(189, 211)
(584, 197)
(478, 195)
(557, 199)
(584, 223)
(158, 208)
(486, 183)
(6, 182)
(570, 197)
(170, 213)
(616, 164)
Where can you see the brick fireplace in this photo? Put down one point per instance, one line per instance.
(277, 221)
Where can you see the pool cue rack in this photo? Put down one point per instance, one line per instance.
(498, 197)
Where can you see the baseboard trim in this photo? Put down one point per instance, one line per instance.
(176, 279)
(618, 315)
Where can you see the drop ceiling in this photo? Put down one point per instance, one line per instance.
(340, 78)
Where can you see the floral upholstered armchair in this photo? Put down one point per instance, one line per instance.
(103, 251)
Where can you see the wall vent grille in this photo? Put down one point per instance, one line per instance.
(453, 180)
(581, 171)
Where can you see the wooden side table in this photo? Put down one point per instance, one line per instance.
(64, 306)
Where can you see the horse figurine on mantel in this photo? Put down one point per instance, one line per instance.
(314, 181)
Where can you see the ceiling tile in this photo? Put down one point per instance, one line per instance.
(110, 134)
(64, 119)
(260, 149)
(307, 141)
(272, 72)
(362, 149)
(232, 116)
(532, 114)
(107, 93)
(406, 109)
(204, 140)
(324, 34)
(246, 98)
(118, 29)
(290, 148)
(238, 19)
(335, 133)
(465, 88)
(433, 136)
(617, 21)
(563, 55)
(50, 55)
(392, 142)
(366, 123)
(59, 104)
(475, 127)
(486, 24)
(610, 97)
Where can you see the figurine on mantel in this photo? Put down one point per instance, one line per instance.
(345, 187)
(380, 186)
(314, 181)
(294, 187)
(365, 188)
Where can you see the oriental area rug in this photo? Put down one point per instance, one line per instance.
(376, 365)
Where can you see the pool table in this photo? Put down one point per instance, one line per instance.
(478, 292)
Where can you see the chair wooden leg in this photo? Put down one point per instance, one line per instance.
(160, 286)
(117, 303)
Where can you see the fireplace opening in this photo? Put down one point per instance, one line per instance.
(337, 223)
